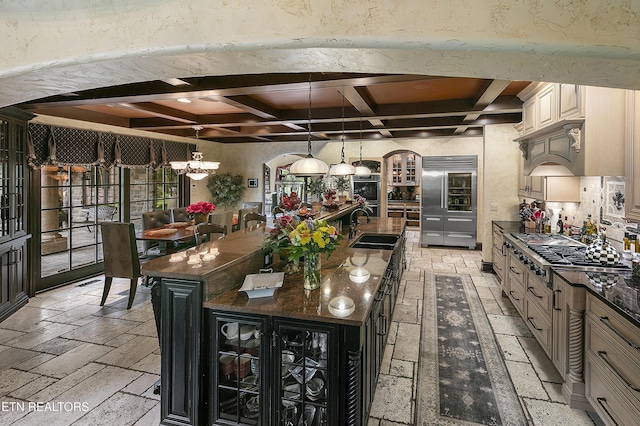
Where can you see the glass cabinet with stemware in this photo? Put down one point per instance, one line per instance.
(272, 371)
(304, 385)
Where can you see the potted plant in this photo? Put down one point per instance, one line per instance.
(226, 190)
(316, 187)
(342, 186)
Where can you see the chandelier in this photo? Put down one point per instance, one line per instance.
(196, 168)
(342, 169)
(309, 166)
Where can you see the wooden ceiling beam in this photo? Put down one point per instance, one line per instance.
(160, 112)
(248, 104)
(488, 93)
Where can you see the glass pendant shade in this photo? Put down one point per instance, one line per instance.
(342, 169)
(362, 171)
(309, 167)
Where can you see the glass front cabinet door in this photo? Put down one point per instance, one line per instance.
(305, 386)
(238, 370)
(268, 371)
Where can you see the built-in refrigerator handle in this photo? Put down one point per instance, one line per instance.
(445, 192)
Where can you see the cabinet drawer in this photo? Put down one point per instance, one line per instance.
(624, 335)
(516, 292)
(460, 224)
(516, 272)
(540, 325)
(621, 365)
(498, 263)
(605, 397)
(538, 293)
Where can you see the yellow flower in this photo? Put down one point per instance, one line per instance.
(318, 238)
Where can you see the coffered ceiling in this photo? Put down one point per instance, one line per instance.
(275, 107)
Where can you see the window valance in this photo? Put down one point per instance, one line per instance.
(63, 146)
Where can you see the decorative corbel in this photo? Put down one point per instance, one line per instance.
(575, 134)
(524, 147)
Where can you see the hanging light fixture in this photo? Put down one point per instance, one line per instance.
(309, 166)
(360, 169)
(342, 169)
(196, 169)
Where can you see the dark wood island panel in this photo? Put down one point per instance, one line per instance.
(196, 303)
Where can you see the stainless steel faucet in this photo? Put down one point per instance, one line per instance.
(353, 222)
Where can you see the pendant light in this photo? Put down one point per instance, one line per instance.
(196, 169)
(342, 169)
(360, 169)
(309, 166)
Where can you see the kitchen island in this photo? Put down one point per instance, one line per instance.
(229, 358)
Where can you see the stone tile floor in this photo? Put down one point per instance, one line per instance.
(64, 360)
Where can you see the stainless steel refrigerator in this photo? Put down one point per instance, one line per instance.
(449, 201)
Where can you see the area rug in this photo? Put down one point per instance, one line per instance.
(462, 378)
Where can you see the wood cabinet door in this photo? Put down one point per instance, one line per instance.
(569, 101)
(546, 111)
(529, 116)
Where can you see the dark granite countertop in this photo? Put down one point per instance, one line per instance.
(291, 300)
(229, 250)
(616, 289)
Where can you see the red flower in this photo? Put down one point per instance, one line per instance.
(201, 207)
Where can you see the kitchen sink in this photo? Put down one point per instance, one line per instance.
(375, 242)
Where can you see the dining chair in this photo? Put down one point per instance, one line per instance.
(203, 231)
(242, 213)
(180, 215)
(259, 219)
(120, 255)
(154, 219)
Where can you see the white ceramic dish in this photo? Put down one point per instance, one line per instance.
(262, 285)
(246, 332)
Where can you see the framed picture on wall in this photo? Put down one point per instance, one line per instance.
(252, 182)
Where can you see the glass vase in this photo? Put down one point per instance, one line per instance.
(312, 271)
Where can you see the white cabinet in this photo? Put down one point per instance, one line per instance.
(402, 169)
(632, 166)
(581, 128)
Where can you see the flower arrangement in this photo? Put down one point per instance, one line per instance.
(362, 203)
(289, 202)
(201, 207)
(300, 237)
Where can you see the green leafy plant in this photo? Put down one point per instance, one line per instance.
(226, 190)
(316, 187)
(342, 184)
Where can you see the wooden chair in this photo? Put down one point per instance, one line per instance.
(203, 232)
(241, 214)
(259, 219)
(120, 257)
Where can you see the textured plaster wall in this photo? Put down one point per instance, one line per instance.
(500, 180)
(56, 46)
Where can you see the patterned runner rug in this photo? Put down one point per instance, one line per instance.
(462, 378)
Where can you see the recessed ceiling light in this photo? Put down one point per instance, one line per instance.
(184, 100)
(176, 82)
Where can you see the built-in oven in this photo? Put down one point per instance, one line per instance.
(369, 188)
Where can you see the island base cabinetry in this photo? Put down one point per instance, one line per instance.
(265, 370)
(612, 365)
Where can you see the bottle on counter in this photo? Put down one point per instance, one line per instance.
(591, 230)
(566, 226)
(636, 243)
(626, 241)
(560, 225)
